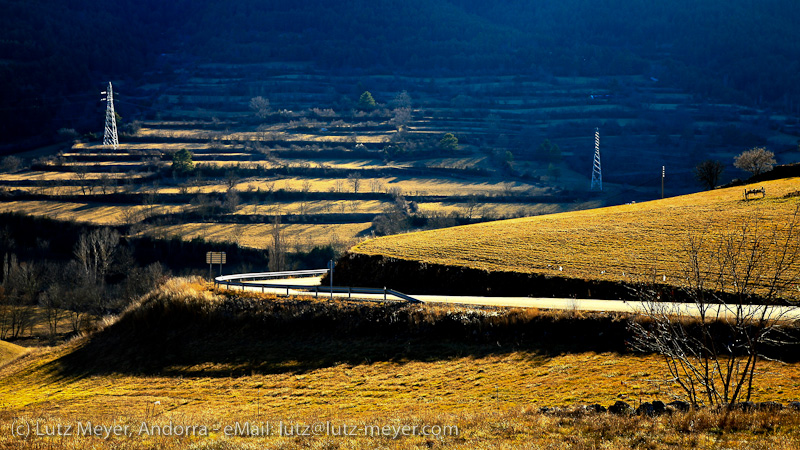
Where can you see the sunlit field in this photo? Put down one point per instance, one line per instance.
(298, 236)
(613, 243)
(88, 212)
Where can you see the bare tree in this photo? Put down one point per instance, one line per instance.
(21, 281)
(52, 301)
(400, 118)
(470, 207)
(82, 173)
(105, 183)
(735, 283)
(355, 181)
(150, 197)
(260, 106)
(231, 179)
(232, 200)
(375, 185)
(338, 185)
(708, 173)
(277, 248)
(95, 253)
(401, 100)
(756, 160)
(5, 313)
(11, 163)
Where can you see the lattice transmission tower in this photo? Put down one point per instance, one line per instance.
(597, 173)
(110, 137)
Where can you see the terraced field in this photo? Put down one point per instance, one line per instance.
(329, 168)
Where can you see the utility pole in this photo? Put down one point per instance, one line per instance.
(597, 173)
(110, 137)
(330, 266)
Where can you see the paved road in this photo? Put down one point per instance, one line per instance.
(530, 302)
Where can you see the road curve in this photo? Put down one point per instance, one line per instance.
(572, 304)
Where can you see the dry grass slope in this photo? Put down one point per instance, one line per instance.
(611, 243)
(492, 398)
(9, 352)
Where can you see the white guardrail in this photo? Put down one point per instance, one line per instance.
(249, 280)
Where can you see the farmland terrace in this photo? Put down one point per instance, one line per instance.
(328, 168)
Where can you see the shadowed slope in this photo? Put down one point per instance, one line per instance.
(183, 329)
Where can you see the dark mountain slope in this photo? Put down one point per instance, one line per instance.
(55, 55)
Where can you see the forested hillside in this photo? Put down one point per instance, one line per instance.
(55, 56)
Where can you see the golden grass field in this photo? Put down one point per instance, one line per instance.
(223, 149)
(603, 244)
(9, 352)
(482, 209)
(229, 160)
(403, 185)
(300, 236)
(60, 176)
(96, 213)
(136, 146)
(492, 399)
(316, 207)
(277, 133)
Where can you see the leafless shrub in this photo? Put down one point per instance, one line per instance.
(714, 357)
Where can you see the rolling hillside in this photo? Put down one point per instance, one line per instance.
(9, 351)
(189, 357)
(620, 244)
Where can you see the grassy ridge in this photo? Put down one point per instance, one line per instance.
(609, 244)
(9, 351)
(184, 329)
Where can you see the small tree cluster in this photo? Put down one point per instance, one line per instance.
(77, 290)
(448, 143)
(549, 151)
(182, 163)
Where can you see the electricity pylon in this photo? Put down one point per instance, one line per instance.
(597, 173)
(110, 137)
